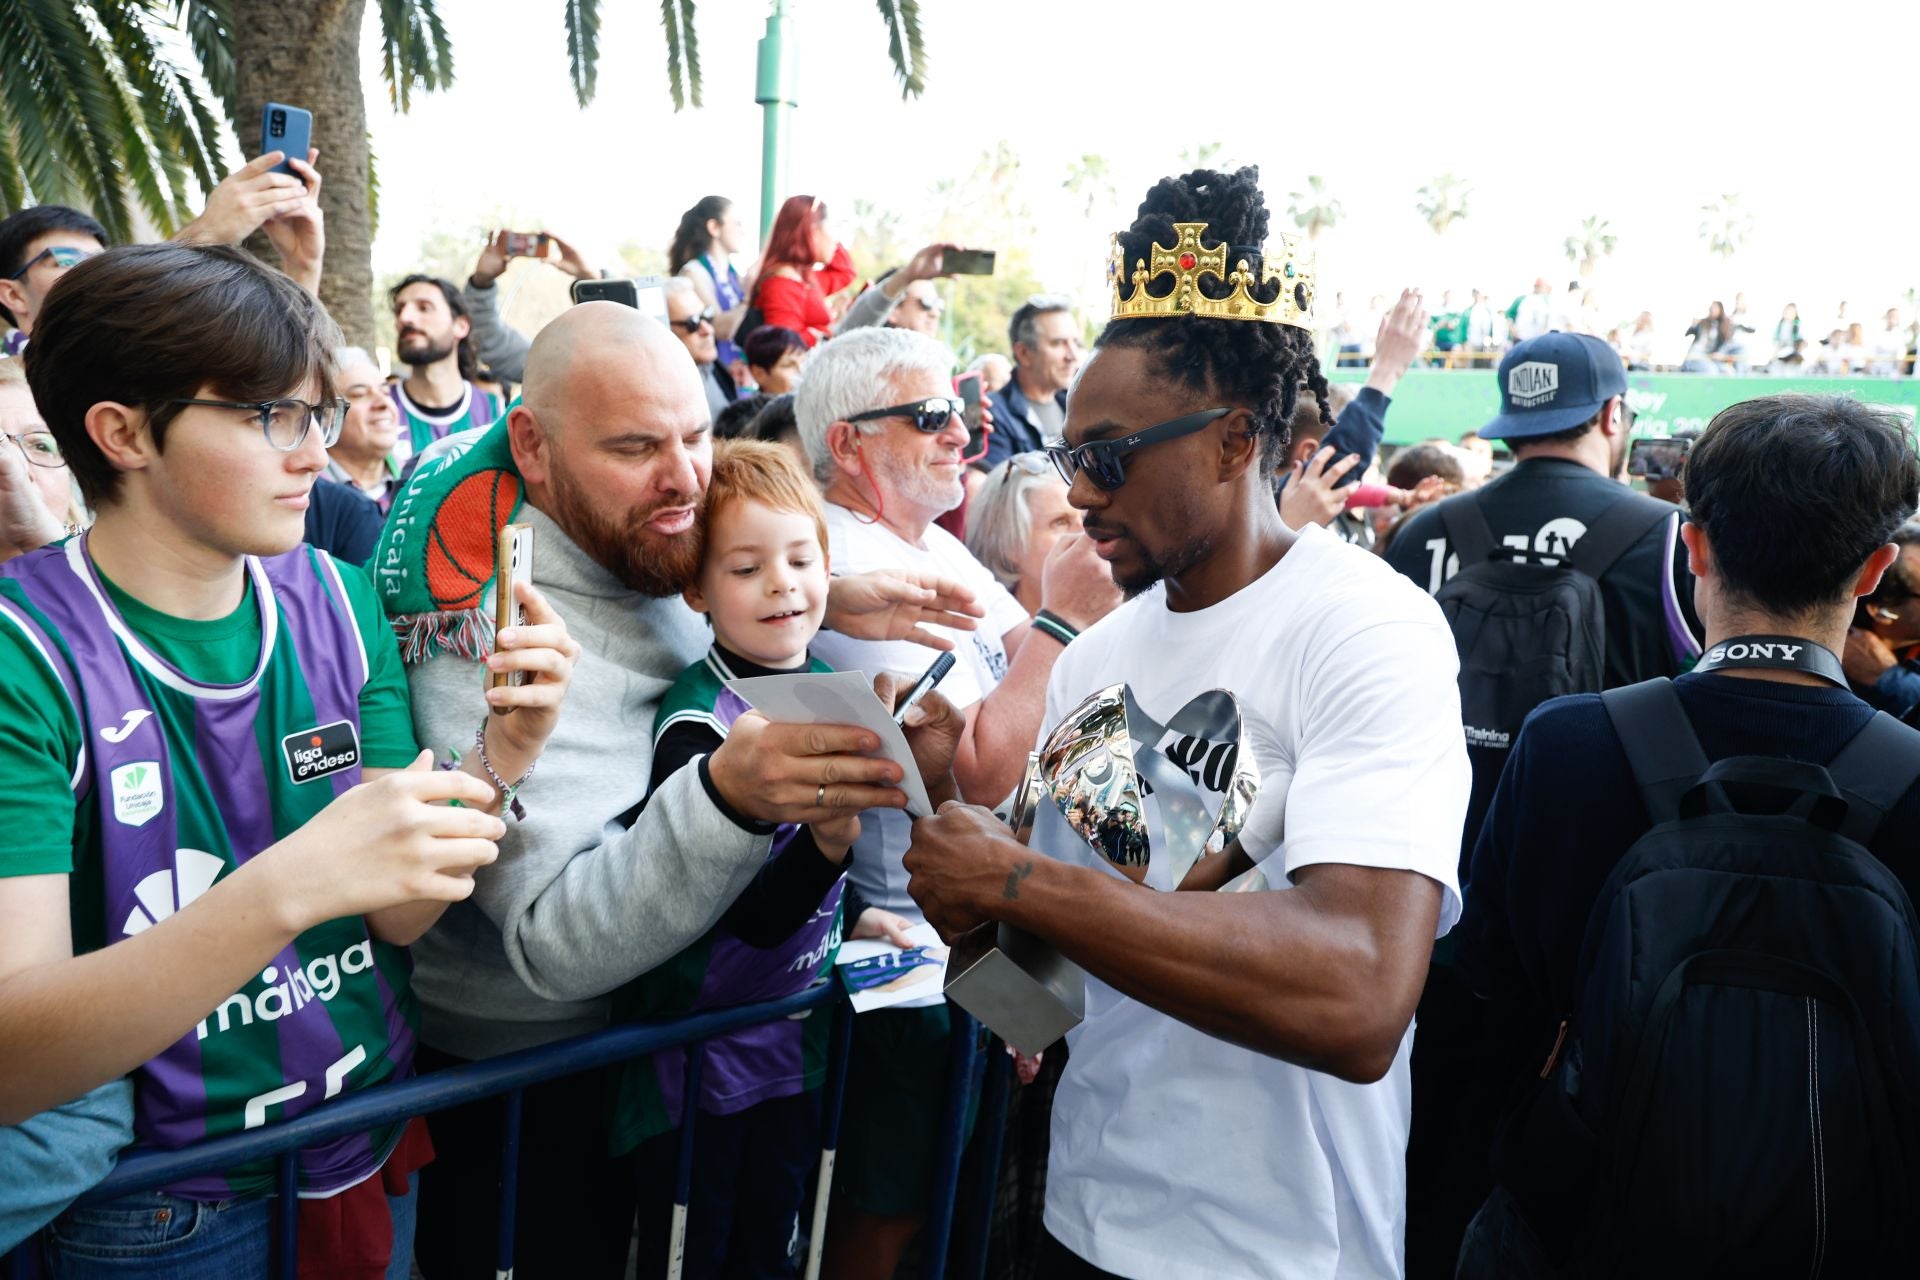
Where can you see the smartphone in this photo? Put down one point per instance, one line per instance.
(512, 562)
(646, 294)
(967, 262)
(288, 129)
(526, 244)
(1657, 459)
(968, 385)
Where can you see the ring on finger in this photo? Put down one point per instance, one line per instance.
(820, 796)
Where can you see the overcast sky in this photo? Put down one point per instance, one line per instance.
(1639, 112)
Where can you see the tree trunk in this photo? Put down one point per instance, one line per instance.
(306, 53)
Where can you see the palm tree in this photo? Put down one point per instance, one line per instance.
(1091, 177)
(1591, 241)
(1315, 209)
(97, 110)
(1443, 202)
(1726, 226)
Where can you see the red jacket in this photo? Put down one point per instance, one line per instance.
(801, 305)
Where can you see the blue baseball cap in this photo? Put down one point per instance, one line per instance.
(1553, 382)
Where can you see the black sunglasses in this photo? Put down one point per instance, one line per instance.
(1105, 460)
(930, 415)
(692, 323)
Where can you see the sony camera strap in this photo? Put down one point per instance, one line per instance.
(1782, 653)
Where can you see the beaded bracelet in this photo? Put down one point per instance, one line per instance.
(1050, 623)
(507, 793)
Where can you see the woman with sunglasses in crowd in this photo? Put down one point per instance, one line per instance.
(794, 285)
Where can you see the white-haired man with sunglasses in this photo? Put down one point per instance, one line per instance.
(883, 430)
(691, 320)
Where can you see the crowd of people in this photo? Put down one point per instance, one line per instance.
(1718, 341)
(1551, 770)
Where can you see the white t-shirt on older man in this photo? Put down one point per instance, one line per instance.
(1182, 1157)
(856, 546)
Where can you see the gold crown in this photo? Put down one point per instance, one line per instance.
(1187, 261)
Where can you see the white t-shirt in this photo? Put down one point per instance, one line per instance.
(981, 659)
(1178, 1156)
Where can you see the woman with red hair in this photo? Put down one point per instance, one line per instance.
(793, 287)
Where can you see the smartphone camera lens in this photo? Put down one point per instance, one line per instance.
(277, 124)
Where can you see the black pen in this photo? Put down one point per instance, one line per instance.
(934, 675)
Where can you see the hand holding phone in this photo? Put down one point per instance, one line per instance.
(288, 130)
(967, 262)
(513, 563)
(968, 385)
(525, 244)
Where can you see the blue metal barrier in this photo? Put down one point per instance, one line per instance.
(145, 1170)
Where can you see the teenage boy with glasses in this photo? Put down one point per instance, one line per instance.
(37, 246)
(224, 832)
(886, 439)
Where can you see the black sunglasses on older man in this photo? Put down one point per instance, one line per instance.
(930, 415)
(692, 323)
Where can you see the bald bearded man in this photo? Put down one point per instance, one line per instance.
(611, 441)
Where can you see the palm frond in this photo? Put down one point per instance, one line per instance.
(13, 184)
(65, 109)
(583, 50)
(415, 53)
(670, 20)
(904, 45)
(183, 132)
(209, 25)
(112, 53)
(690, 50)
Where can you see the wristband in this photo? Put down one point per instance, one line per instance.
(507, 793)
(1050, 623)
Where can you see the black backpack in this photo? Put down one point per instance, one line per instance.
(1733, 1093)
(1527, 631)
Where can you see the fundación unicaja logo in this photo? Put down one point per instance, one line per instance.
(136, 792)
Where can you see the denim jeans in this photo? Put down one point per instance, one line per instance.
(156, 1236)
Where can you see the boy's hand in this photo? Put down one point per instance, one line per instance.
(834, 837)
(387, 842)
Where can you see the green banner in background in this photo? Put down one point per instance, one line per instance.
(1451, 402)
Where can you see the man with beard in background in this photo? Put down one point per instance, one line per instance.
(439, 395)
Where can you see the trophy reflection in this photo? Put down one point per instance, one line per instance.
(1110, 787)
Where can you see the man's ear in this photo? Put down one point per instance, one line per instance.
(120, 433)
(13, 296)
(1302, 448)
(1239, 445)
(843, 447)
(462, 328)
(1875, 568)
(532, 450)
(1699, 550)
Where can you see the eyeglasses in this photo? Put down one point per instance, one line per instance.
(692, 323)
(62, 257)
(1105, 460)
(930, 415)
(41, 448)
(285, 423)
(1035, 463)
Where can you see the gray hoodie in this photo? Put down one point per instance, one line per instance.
(576, 903)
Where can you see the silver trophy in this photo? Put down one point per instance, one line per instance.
(1110, 787)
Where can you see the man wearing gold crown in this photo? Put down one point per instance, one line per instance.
(1236, 1101)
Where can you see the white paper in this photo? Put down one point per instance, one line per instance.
(841, 697)
(920, 986)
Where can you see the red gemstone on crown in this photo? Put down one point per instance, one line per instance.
(1186, 261)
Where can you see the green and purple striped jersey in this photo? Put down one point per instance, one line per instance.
(182, 764)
